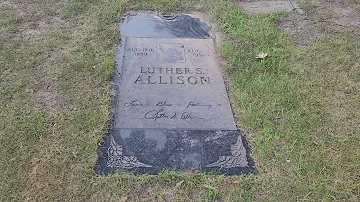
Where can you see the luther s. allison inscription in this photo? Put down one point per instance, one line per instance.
(173, 84)
(170, 75)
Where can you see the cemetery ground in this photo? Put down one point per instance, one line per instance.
(299, 106)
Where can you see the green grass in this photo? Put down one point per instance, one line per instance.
(355, 3)
(298, 107)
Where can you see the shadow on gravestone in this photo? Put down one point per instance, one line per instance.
(170, 109)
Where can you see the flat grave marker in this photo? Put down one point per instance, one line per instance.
(170, 108)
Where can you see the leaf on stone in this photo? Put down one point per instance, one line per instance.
(262, 56)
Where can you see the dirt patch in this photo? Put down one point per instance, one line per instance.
(320, 18)
(269, 6)
(302, 29)
(29, 34)
(42, 28)
(49, 99)
(7, 5)
(30, 22)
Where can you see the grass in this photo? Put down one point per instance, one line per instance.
(356, 3)
(298, 106)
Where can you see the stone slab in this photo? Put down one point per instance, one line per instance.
(269, 6)
(172, 83)
(150, 151)
(186, 146)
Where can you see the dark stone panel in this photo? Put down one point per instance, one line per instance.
(157, 26)
(150, 151)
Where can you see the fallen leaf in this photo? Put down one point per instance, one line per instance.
(174, 189)
(262, 56)
(178, 184)
(123, 199)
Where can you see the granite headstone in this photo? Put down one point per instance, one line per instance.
(171, 109)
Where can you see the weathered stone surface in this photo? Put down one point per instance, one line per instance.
(172, 84)
(152, 150)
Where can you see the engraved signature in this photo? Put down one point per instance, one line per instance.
(156, 114)
(133, 103)
(186, 115)
(160, 114)
(198, 104)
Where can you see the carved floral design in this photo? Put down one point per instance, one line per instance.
(116, 158)
(238, 158)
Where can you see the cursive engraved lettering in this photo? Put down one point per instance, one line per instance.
(163, 104)
(133, 103)
(198, 104)
(156, 114)
(173, 116)
(186, 115)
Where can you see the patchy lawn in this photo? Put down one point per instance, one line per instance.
(300, 106)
